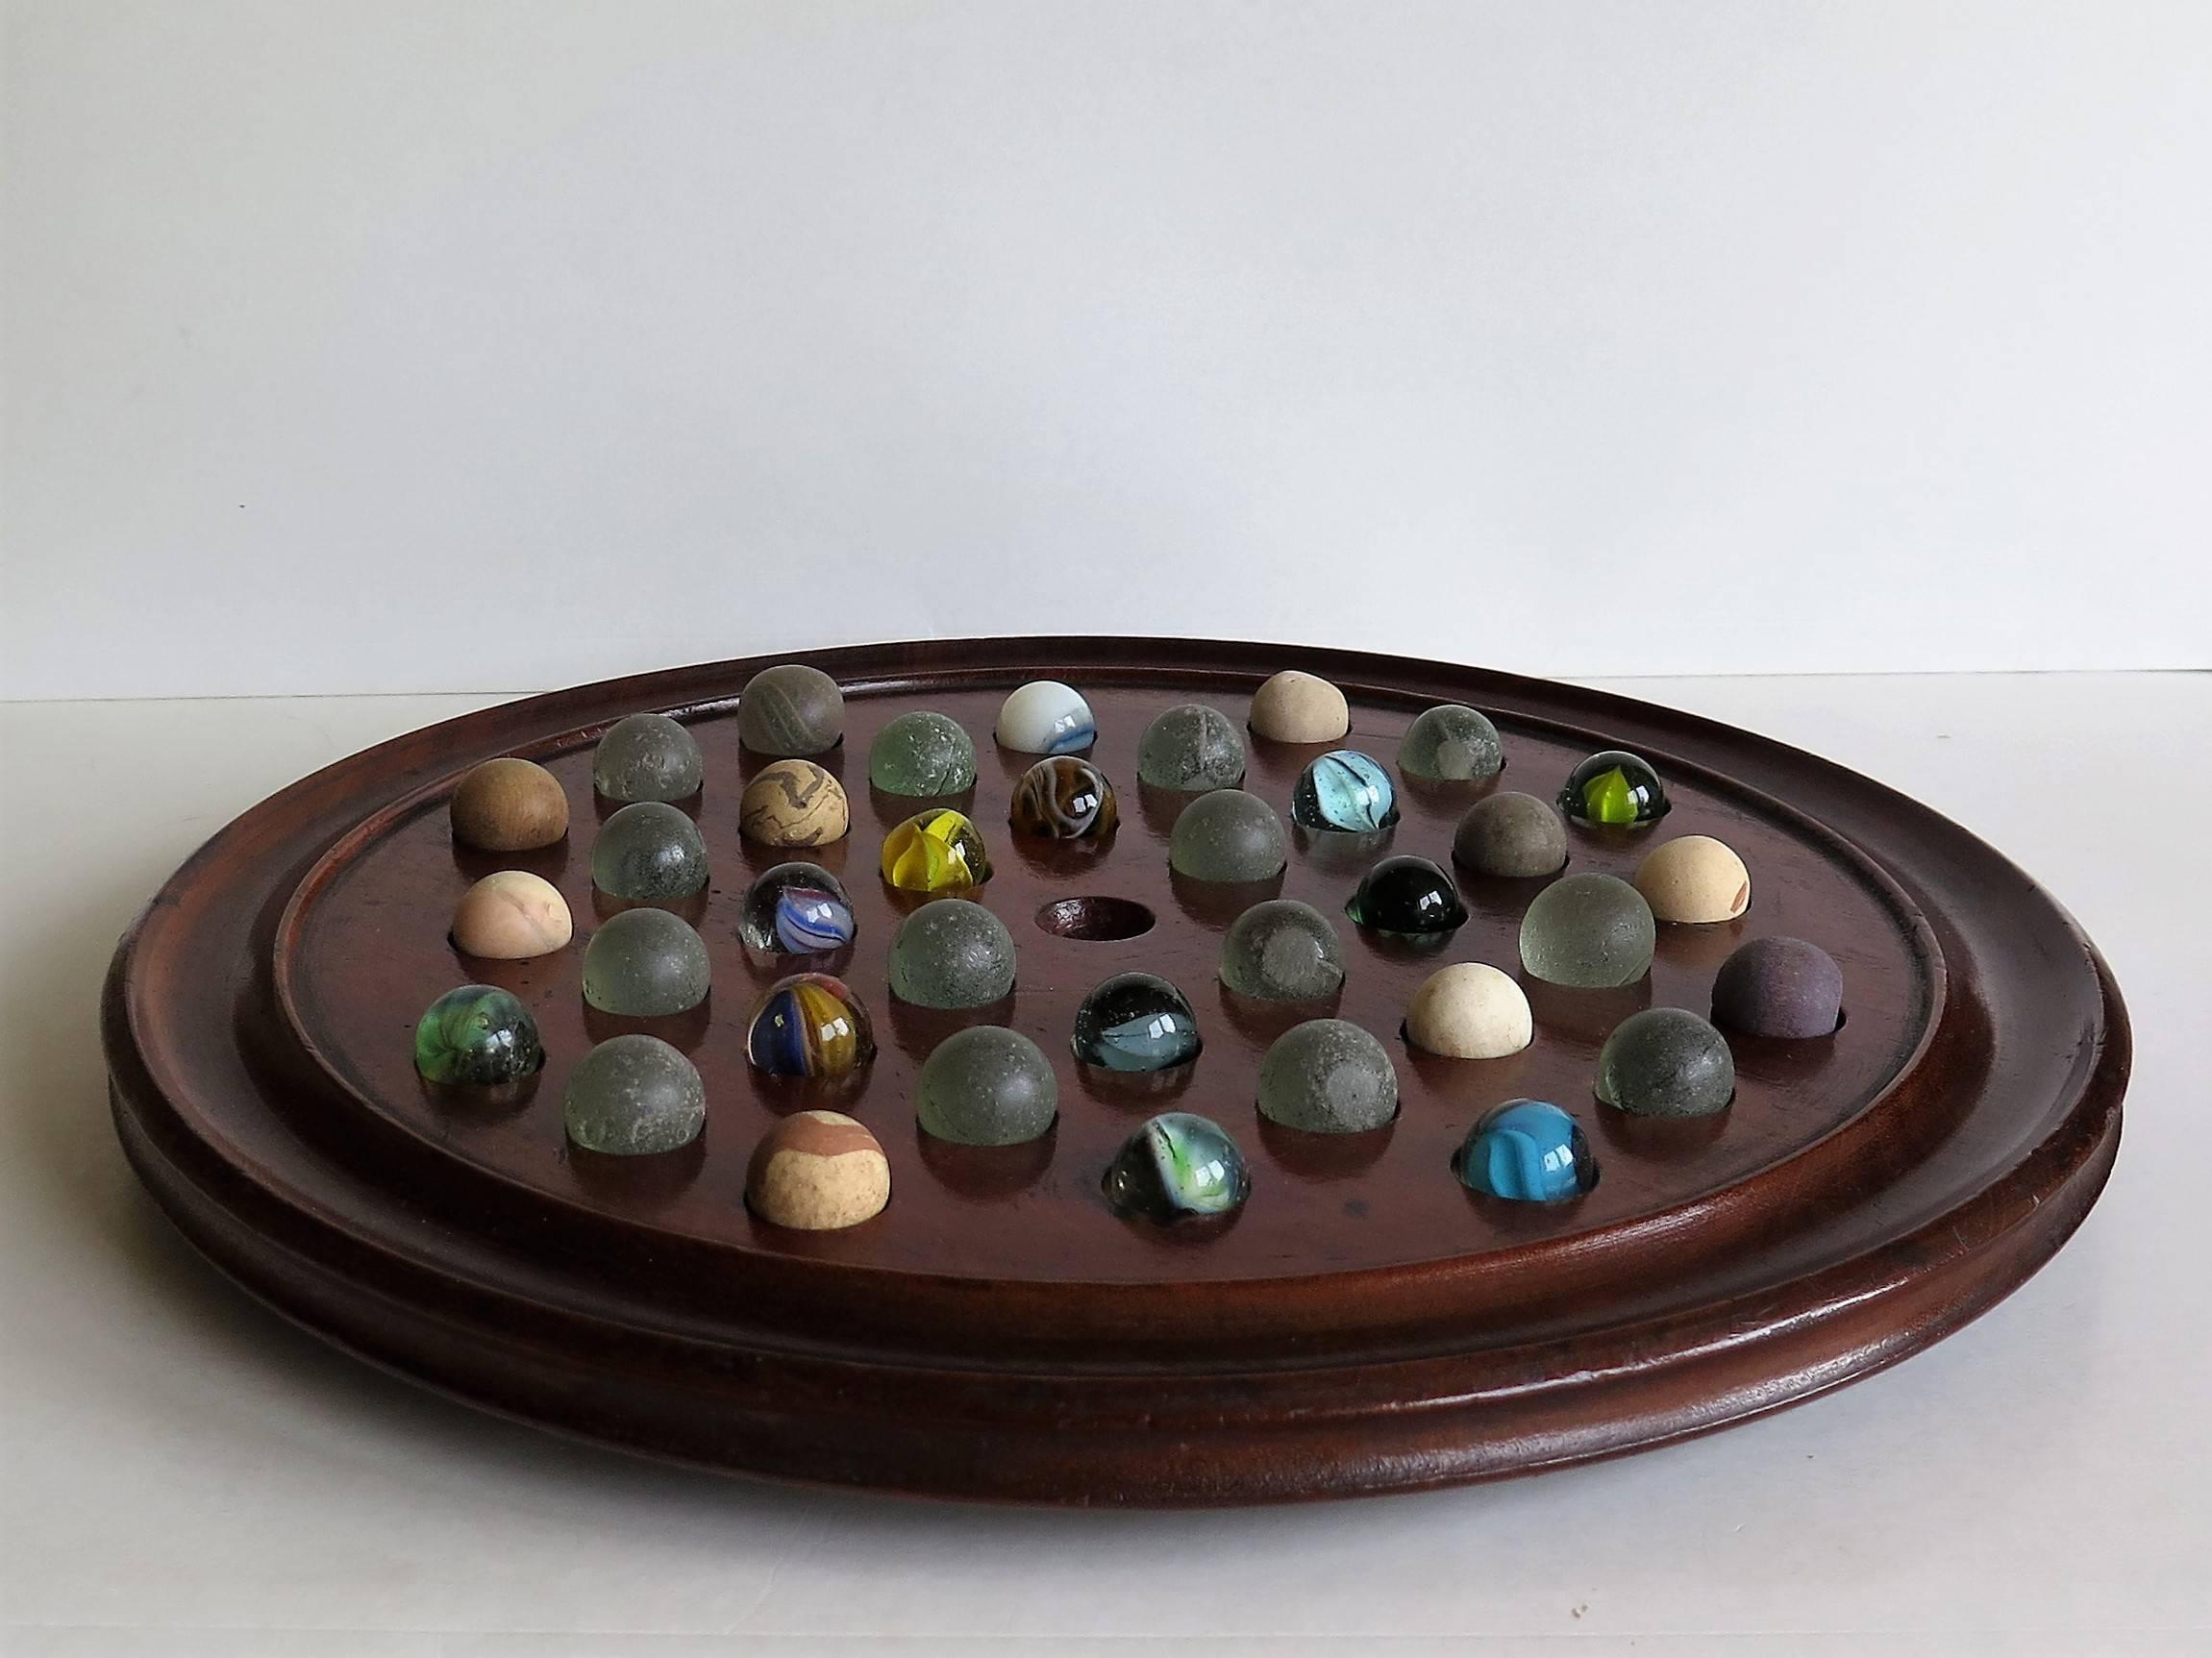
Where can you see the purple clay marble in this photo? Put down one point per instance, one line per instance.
(1779, 987)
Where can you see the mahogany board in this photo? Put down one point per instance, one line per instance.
(1364, 1323)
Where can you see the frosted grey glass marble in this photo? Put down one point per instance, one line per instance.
(1512, 835)
(1328, 1076)
(789, 712)
(632, 1096)
(646, 757)
(1189, 749)
(1282, 950)
(1227, 835)
(1451, 743)
(1588, 932)
(951, 953)
(1666, 1062)
(987, 1086)
(648, 851)
(645, 964)
(922, 754)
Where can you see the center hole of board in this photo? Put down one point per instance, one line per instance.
(1096, 920)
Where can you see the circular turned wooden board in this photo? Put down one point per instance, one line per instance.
(1365, 1325)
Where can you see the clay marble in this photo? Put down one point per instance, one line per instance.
(790, 711)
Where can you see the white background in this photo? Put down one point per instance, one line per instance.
(447, 346)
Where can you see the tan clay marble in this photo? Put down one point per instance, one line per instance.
(1695, 878)
(508, 804)
(1296, 707)
(817, 1171)
(1469, 1012)
(510, 916)
(793, 803)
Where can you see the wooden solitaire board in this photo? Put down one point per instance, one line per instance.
(1365, 1324)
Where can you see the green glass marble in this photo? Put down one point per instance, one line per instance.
(1666, 1062)
(1178, 1167)
(1227, 835)
(1191, 748)
(1451, 743)
(951, 953)
(1588, 932)
(645, 964)
(922, 755)
(646, 757)
(1328, 1076)
(648, 851)
(1282, 950)
(478, 1036)
(987, 1086)
(1613, 787)
(634, 1096)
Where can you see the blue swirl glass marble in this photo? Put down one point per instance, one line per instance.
(1136, 1021)
(1178, 1167)
(1344, 789)
(797, 908)
(1527, 1151)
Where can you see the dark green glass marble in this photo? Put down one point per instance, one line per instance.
(1282, 950)
(646, 757)
(1613, 787)
(1588, 932)
(478, 1036)
(923, 755)
(1666, 1062)
(634, 1096)
(951, 953)
(649, 851)
(987, 1086)
(1191, 748)
(1178, 1167)
(1451, 743)
(1227, 835)
(645, 964)
(1328, 1076)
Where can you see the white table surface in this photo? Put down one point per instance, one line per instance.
(180, 1472)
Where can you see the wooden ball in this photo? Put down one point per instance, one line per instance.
(1469, 1012)
(1694, 879)
(510, 916)
(817, 1171)
(793, 803)
(1295, 707)
(509, 806)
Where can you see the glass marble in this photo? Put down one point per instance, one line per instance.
(648, 851)
(951, 953)
(1064, 797)
(646, 757)
(1045, 717)
(1613, 787)
(1451, 743)
(808, 1025)
(1588, 932)
(1227, 835)
(797, 909)
(1527, 1151)
(646, 964)
(476, 1036)
(987, 1086)
(790, 711)
(1328, 1076)
(1666, 1062)
(1136, 1021)
(924, 754)
(936, 852)
(1178, 1167)
(634, 1096)
(1282, 950)
(1409, 896)
(1344, 789)
(1783, 987)
(1191, 748)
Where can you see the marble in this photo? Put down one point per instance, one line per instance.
(1408, 896)
(1282, 950)
(1666, 1062)
(936, 851)
(1451, 743)
(1300, 708)
(794, 803)
(508, 804)
(1527, 1151)
(1136, 1021)
(1588, 932)
(1347, 790)
(649, 851)
(1469, 1010)
(647, 757)
(1045, 717)
(1328, 1076)
(634, 1096)
(646, 964)
(987, 1086)
(511, 915)
(818, 1172)
(1064, 797)
(1613, 787)
(790, 712)
(951, 953)
(1189, 749)
(476, 1036)
(922, 754)
(1511, 835)
(1694, 879)
(1178, 1167)
(808, 1025)
(797, 908)
(1227, 835)
(1784, 987)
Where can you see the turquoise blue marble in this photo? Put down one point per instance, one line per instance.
(1527, 1151)
(1178, 1167)
(1344, 789)
(1136, 1021)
